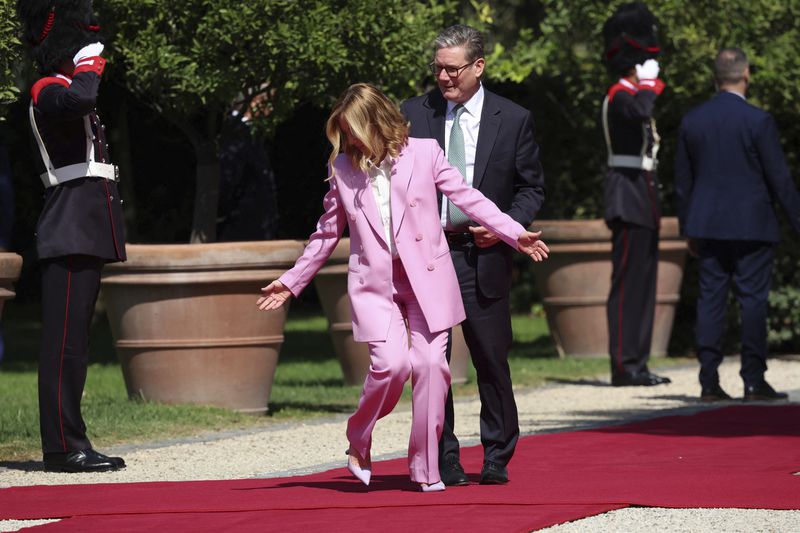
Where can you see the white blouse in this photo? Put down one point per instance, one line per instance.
(379, 177)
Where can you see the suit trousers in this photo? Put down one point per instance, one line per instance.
(487, 332)
(391, 363)
(70, 286)
(748, 266)
(632, 299)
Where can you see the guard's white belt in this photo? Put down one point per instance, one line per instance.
(79, 170)
(631, 161)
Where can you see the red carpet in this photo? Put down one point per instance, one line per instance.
(743, 456)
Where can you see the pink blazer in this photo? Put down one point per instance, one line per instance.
(420, 169)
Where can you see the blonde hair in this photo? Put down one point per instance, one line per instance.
(373, 119)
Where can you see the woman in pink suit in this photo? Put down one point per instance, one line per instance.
(383, 186)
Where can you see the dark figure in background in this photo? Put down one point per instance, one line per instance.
(248, 210)
(6, 211)
(80, 227)
(490, 140)
(729, 171)
(631, 201)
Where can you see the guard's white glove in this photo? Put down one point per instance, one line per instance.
(90, 50)
(648, 70)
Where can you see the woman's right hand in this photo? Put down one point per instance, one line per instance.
(273, 296)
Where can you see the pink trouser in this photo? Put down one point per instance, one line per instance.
(391, 363)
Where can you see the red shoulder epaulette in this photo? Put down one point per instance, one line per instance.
(44, 82)
(617, 87)
(656, 85)
(94, 64)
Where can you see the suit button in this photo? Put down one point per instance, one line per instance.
(431, 268)
(413, 204)
(361, 281)
(352, 217)
(111, 198)
(419, 237)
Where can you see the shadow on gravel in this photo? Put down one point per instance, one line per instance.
(24, 466)
(276, 407)
(594, 382)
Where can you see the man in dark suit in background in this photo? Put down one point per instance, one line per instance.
(248, 208)
(490, 140)
(729, 170)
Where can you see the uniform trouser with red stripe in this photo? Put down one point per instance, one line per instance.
(69, 290)
(632, 299)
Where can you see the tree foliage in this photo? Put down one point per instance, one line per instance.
(193, 59)
(9, 54)
(555, 46)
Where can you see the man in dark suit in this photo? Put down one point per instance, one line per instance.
(248, 209)
(729, 170)
(490, 139)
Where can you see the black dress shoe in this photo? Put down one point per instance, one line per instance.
(119, 461)
(642, 379)
(81, 461)
(762, 392)
(493, 474)
(714, 394)
(452, 473)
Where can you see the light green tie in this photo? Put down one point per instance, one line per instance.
(457, 157)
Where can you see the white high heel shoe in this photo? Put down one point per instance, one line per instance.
(362, 473)
(432, 487)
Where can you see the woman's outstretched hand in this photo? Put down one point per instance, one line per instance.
(528, 243)
(273, 296)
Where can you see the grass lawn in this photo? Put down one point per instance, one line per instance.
(308, 383)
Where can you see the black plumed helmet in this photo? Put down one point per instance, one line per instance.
(630, 38)
(56, 29)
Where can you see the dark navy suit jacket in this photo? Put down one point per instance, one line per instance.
(729, 171)
(507, 169)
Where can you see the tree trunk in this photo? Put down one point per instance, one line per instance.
(206, 197)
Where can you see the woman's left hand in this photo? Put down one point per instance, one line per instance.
(273, 296)
(528, 243)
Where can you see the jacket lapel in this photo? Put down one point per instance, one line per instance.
(401, 179)
(487, 135)
(437, 109)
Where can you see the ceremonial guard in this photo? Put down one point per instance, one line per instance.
(80, 227)
(631, 203)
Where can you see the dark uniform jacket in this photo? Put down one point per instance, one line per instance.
(81, 216)
(630, 194)
(507, 170)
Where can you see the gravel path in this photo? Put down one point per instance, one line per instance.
(563, 406)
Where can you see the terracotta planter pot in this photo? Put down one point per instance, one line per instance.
(185, 324)
(575, 281)
(10, 267)
(331, 285)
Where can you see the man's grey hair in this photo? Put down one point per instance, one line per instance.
(729, 66)
(460, 35)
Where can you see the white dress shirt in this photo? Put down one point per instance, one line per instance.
(470, 123)
(379, 178)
